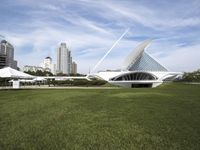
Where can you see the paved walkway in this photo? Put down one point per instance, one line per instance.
(191, 82)
(59, 87)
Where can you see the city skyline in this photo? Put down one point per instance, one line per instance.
(89, 28)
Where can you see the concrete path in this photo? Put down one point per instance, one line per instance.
(59, 87)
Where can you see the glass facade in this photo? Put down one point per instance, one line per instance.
(134, 76)
(146, 63)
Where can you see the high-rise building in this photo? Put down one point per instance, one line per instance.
(48, 65)
(7, 55)
(70, 62)
(74, 68)
(2, 61)
(63, 59)
(14, 65)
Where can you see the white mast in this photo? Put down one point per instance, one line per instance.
(109, 50)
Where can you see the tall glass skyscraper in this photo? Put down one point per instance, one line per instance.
(63, 59)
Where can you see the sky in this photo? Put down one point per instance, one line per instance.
(90, 27)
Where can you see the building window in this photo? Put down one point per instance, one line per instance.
(134, 76)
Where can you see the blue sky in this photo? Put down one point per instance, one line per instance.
(90, 27)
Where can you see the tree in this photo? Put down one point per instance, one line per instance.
(191, 76)
(39, 73)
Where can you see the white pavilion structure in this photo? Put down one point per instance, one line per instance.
(139, 70)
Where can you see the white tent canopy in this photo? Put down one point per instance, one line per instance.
(39, 79)
(8, 72)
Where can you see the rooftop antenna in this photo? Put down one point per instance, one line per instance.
(109, 50)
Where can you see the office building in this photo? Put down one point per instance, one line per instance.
(64, 59)
(7, 55)
(2, 61)
(47, 64)
(74, 68)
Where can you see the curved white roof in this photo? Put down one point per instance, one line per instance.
(135, 54)
(160, 75)
(139, 60)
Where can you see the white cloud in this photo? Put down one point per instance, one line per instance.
(183, 58)
(91, 27)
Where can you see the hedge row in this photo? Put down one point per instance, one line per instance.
(77, 83)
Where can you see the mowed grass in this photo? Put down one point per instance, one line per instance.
(167, 117)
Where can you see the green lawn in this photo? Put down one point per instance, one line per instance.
(167, 117)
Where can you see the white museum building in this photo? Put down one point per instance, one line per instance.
(139, 70)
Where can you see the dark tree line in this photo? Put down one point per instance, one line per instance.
(71, 74)
(39, 73)
(77, 82)
(47, 73)
(191, 76)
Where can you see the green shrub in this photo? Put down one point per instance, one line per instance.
(77, 82)
(191, 76)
